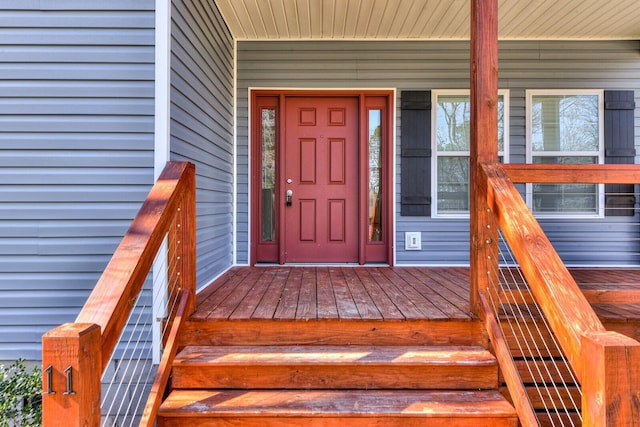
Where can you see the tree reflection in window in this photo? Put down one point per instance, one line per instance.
(565, 128)
(268, 174)
(375, 176)
(453, 126)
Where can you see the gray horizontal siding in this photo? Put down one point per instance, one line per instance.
(202, 125)
(420, 65)
(76, 153)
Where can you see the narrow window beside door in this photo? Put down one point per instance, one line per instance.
(375, 176)
(268, 174)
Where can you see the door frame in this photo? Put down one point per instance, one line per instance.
(368, 251)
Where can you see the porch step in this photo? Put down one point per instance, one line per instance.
(335, 367)
(356, 408)
(389, 332)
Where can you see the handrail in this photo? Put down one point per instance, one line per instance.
(607, 364)
(109, 303)
(568, 311)
(572, 173)
(78, 353)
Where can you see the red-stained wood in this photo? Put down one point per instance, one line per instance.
(272, 297)
(74, 346)
(337, 408)
(210, 299)
(110, 302)
(334, 332)
(395, 294)
(559, 419)
(327, 308)
(427, 308)
(364, 302)
(161, 380)
(555, 290)
(544, 371)
(187, 245)
(249, 294)
(288, 306)
(611, 380)
(509, 371)
(380, 294)
(307, 300)
(335, 367)
(438, 300)
(483, 138)
(383, 303)
(595, 294)
(346, 305)
(571, 174)
(233, 294)
(448, 287)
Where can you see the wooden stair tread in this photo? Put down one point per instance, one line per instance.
(333, 355)
(325, 403)
(335, 367)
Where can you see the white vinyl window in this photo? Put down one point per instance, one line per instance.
(565, 127)
(451, 120)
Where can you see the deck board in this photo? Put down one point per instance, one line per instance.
(288, 304)
(381, 293)
(384, 305)
(364, 302)
(308, 297)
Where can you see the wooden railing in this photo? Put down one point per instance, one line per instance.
(606, 363)
(75, 355)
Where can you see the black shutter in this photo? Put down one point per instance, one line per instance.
(619, 147)
(415, 156)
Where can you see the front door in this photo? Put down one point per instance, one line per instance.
(321, 179)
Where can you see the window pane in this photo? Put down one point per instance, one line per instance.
(454, 123)
(375, 176)
(268, 174)
(454, 115)
(565, 123)
(453, 184)
(565, 198)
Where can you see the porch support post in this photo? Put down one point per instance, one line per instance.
(484, 140)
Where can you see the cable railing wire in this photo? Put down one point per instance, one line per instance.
(534, 339)
(126, 385)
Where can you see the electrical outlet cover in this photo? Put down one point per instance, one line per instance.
(413, 241)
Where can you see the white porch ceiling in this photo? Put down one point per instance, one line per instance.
(428, 19)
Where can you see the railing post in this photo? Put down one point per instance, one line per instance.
(610, 380)
(72, 367)
(186, 219)
(484, 139)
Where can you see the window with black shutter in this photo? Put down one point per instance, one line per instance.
(619, 144)
(415, 155)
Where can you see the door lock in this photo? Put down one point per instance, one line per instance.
(289, 200)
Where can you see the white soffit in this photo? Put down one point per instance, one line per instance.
(428, 19)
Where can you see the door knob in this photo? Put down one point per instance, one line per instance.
(289, 201)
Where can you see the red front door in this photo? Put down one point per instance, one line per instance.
(321, 179)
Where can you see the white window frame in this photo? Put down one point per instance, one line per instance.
(597, 153)
(434, 144)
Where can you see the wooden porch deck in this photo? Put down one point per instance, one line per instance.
(366, 293)
(270, 337)
(384, 293)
